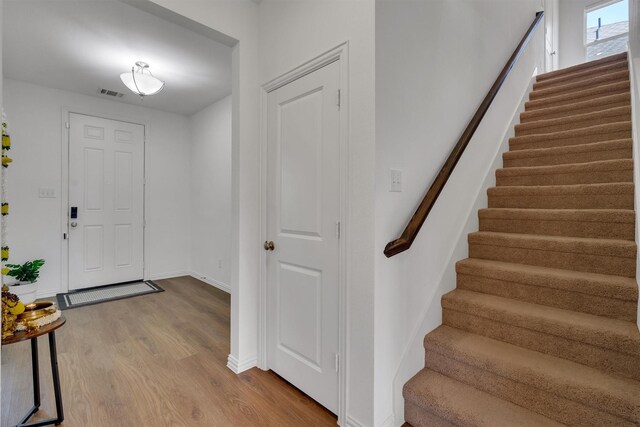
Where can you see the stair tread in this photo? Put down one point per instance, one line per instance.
(585, 117)
(595, 166)
(462, 404)
(603, 68)
(602, 90)
(577, 245)
(589, 386)
(561, 190)
(570, 149)
(603, 101)
(584, 66)
(590, 81)
(612, 334)
(626, 216)
(572, 133)
(618, 287)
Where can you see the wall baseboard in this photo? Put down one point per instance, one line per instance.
(47, 294)
(170, 275)
(389, 422)
(240, 366)
(352, 422)
(209, 281)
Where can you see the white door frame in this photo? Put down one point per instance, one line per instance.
(64, 187)
(341, 54)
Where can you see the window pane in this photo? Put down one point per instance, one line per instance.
(607, 47)
(608, 21)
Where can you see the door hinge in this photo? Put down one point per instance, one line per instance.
(67, 125)
(337, 362)
(338, 229)
(338, 101)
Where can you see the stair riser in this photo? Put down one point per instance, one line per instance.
(582, 84)
(563, 201)
(585, 74)
(588, 229)
(554, 406)
(530, 116)
(552, 297)
(416, 416)
(564, 259)
(572, 125)
(568, 158)
(596, 177)
(570, 140)
(587, 66)
(595, 94)
(579, 352)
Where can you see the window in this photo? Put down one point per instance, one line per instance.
(606, 29)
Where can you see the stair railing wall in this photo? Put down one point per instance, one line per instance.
(412, 229)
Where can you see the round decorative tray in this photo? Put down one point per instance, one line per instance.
(36, 310)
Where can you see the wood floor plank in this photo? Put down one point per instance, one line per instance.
(154, 360)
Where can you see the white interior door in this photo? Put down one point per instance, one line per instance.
(550, 35)
(303, 196)
(106, 185)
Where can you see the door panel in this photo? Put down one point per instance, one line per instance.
(303, 207)
(106, 173)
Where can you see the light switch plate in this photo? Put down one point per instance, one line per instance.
(395, 180)
(46, 193)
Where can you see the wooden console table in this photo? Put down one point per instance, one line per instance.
(33, 336)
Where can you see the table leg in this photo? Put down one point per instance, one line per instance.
(56, 377)
(35, 367)
(35, 370)
(36, 385)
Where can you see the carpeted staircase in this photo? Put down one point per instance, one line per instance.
(541, 330)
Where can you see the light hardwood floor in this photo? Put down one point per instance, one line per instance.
(154, 360)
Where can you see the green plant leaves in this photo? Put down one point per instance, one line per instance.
(27, 272)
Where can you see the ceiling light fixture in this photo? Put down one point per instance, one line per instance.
(140, 80)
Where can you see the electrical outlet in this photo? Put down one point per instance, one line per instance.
(46, 193)
(220, 263)
(395, 180)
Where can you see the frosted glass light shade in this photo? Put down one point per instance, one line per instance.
(142, 83)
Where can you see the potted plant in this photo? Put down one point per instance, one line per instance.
(26, 275)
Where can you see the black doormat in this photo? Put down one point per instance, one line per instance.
(102, 294)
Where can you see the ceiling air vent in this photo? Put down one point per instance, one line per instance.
(110, 93)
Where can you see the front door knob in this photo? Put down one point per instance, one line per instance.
(269, 246)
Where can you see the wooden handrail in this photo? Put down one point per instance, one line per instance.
(411, 230)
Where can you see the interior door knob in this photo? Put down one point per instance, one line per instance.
(74, 224)
(269, 246)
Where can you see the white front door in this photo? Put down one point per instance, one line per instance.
(106, 188)
(303, 209)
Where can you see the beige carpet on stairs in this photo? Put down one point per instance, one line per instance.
(541, 329)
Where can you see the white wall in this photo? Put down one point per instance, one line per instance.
(238, 19)
(210, 185)
(36, 131)
(291, 33)
(435, 61)
(571, 27)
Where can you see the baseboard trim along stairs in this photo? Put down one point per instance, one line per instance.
(541, 329)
